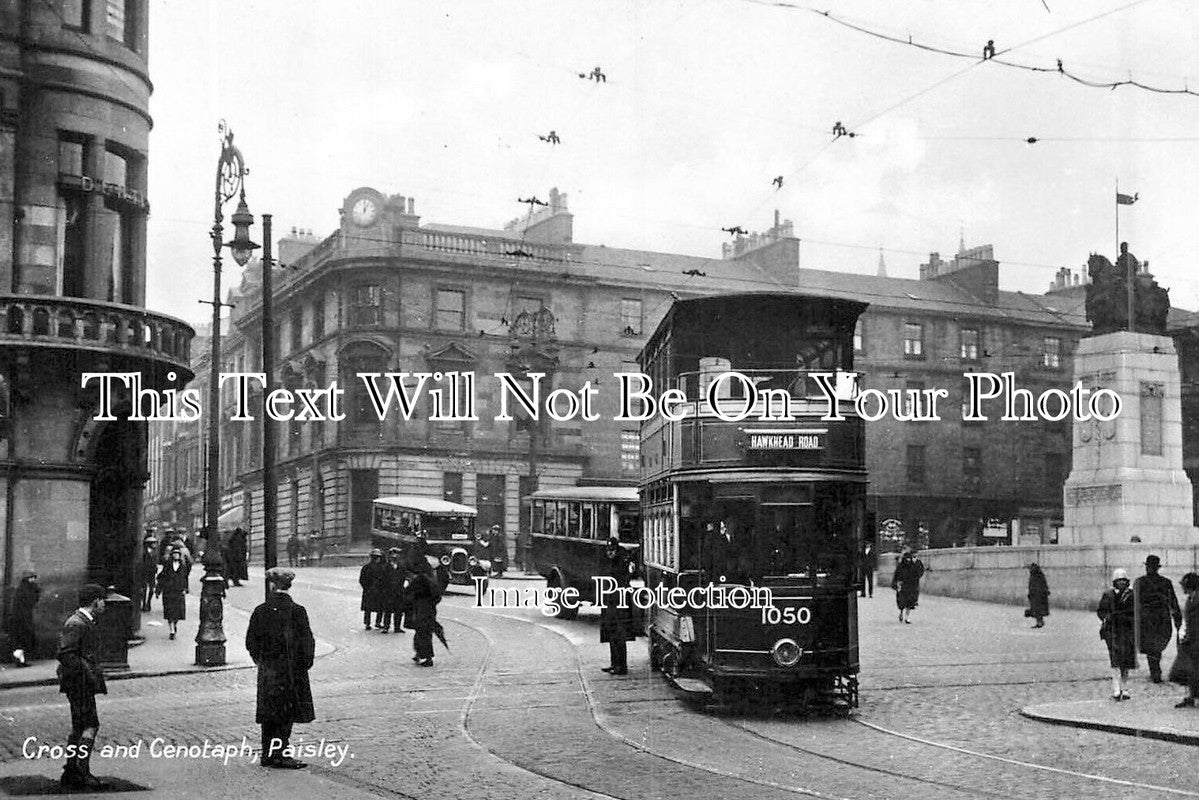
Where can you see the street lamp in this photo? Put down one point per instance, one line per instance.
(230, 174)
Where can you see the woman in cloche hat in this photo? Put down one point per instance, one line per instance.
(1118, 613)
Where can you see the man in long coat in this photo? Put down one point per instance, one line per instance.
(22, 633)
(373, 580)
(81, 679)
(280, 642)
(1158, 614)
(422, 593)
(149, 569)
(618, 626)
(498, 553)
(393, 583)
(237, 554)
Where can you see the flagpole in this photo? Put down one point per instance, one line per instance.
(1129, 266)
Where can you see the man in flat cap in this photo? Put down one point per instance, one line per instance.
(81, 679)
(1158, 614)
(280, 641)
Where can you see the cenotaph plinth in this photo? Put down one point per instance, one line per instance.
(1127, 483)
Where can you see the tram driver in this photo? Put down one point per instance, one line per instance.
(726, 556)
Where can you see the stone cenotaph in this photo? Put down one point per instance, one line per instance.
(1127, 483)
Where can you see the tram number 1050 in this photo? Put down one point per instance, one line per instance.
(773, 615)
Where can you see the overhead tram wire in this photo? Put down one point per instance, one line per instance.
(1061, 70)
(975, 61)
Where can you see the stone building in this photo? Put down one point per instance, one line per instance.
(389, 292)
(74, 91)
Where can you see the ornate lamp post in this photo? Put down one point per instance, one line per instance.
(230, 172)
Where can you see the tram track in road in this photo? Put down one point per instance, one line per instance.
(934, 786)
(1098, 780)
(599, 719)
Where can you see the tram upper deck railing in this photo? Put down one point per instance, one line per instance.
(739, 384)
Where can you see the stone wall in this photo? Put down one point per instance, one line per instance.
(1077, 574)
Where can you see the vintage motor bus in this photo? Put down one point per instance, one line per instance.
(570, 530)
(449, 531)
(772, 504)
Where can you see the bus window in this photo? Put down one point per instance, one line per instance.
(587, 521)
(537, 520)
(603, 521)
(560, 519)
(572, 524)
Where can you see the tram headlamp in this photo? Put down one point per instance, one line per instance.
(786, 652)
(472, 561)
(445, 560)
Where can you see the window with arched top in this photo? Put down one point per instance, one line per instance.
(41, 322)
(356, 359)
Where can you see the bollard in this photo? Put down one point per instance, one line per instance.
(210, 639)
(113, 627)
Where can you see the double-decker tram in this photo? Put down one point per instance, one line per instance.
(752, 503)
(571, 526)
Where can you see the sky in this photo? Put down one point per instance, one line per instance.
(706, 102)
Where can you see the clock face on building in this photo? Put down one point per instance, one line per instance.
(364, 212)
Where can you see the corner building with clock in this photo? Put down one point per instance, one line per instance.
(387, 291)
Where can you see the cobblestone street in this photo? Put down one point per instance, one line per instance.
(519, 708)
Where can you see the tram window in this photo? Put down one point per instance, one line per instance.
(551, 518)
(587, 521)
(603, 521)
(628, 530)
(572, 521)
(537, 521)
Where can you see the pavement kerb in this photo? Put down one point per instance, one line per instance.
(1111, 727)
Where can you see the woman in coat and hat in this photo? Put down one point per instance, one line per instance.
(373, 580)
(172, 585)
(1189, 644)
(617, 624)
(906, 582)
(1038, 595)
(22, 636)
(279, 640)
(1118, 613)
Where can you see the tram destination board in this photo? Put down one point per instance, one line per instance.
(784, 439)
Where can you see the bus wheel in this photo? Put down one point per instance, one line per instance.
(556, 582)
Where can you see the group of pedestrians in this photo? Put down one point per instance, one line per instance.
(166, 570)
(1149, 612)
(403, 590)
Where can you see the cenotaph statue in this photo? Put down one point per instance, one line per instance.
(1126, 483)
